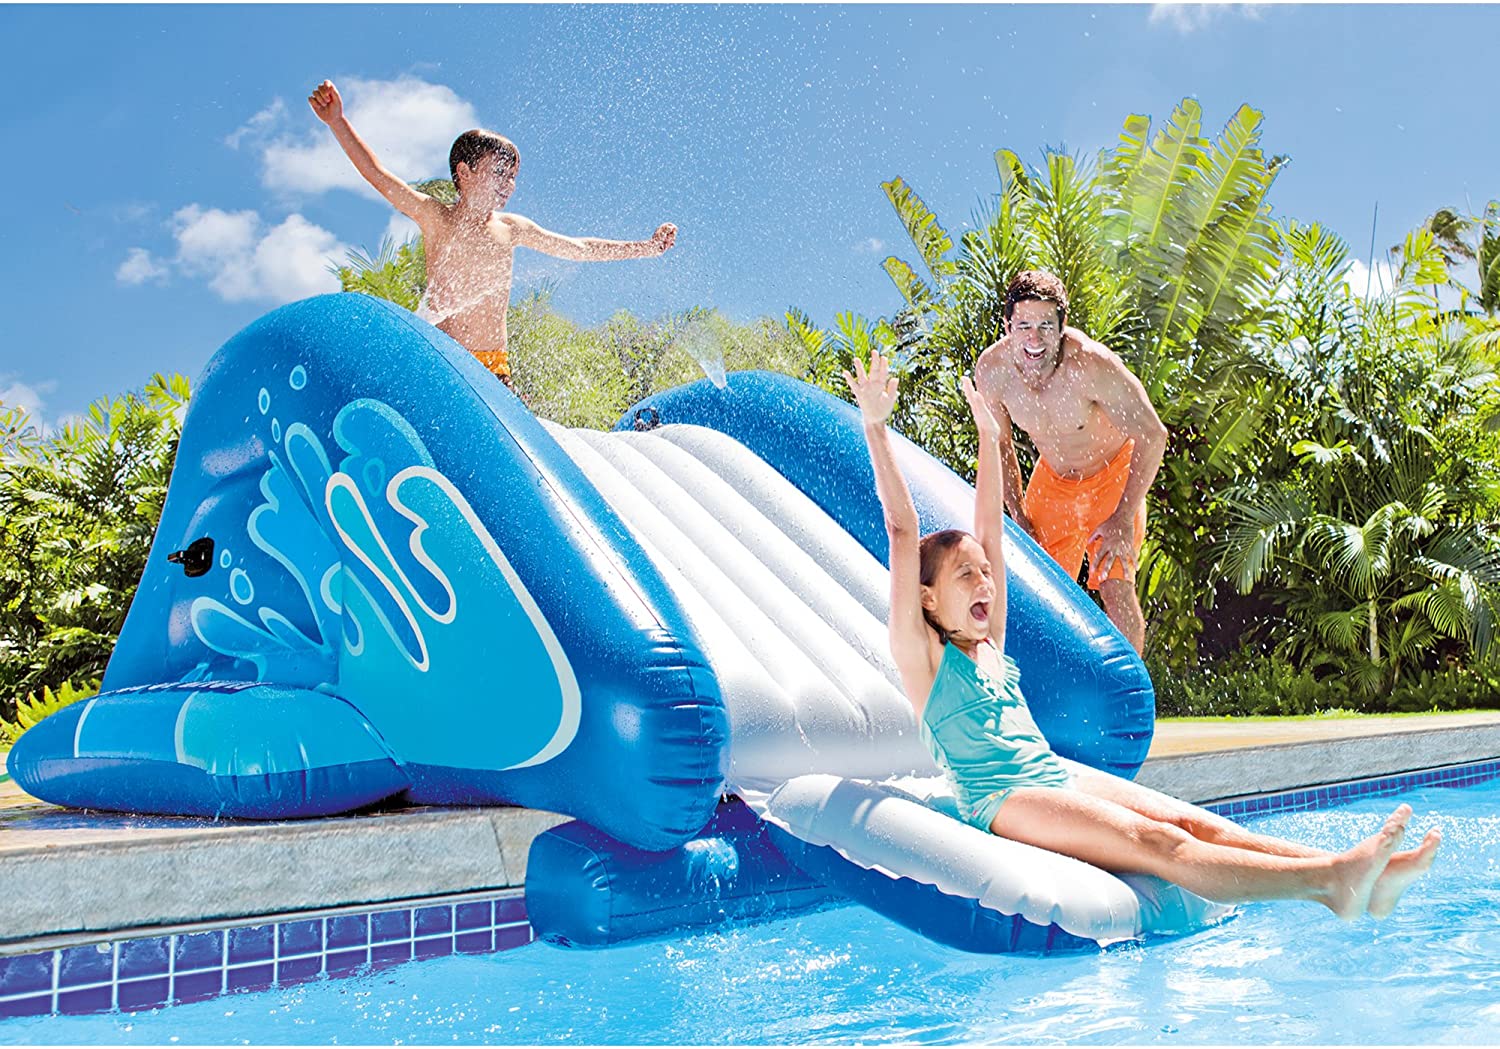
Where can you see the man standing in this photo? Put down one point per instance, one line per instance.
(1098, 439)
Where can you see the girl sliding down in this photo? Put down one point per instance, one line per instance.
(947, 631)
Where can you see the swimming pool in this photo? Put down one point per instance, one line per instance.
(1277, 973)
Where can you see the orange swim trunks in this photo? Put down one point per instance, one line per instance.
(1065, 513)
(497, 361)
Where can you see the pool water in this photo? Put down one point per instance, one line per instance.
(1276, 973)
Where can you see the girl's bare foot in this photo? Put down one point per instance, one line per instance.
(1355, 872)
(1404, 868)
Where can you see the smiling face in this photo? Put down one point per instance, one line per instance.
(489, 182)
(1036, 326)
(958, 594)
(484, 166)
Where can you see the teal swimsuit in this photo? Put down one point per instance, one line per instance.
(981, 732)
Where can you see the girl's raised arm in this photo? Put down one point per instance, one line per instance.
(875, 393)
(989, 503)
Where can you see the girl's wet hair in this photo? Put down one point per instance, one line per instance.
(933, 551)
(474, 145)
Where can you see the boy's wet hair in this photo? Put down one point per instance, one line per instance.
(932, 551)
(1037, 286)
(474, 145)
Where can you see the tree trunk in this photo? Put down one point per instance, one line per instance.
(1374, 635)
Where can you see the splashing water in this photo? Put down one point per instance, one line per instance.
(703, 346)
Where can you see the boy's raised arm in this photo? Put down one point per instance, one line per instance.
(590, 249)
(328, 105)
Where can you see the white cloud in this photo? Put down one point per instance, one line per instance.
(139, 267)
(1189, 18)
(291, 261)
(1359, 278)
(16, 394)
(244, 261)
(409, 123)
(257, 126)
(869, 246)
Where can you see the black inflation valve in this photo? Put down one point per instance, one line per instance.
(647, 418)
(197, 559)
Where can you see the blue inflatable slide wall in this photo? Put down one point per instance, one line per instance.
(379, 577)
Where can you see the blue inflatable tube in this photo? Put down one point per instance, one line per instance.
(585, 889)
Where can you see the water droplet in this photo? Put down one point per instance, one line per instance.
(225, 558)
(298, 378)
(264, 400)
(276, 430)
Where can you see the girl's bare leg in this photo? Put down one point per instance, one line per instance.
(1404, 868)
(1200, 823)
(1117, 839)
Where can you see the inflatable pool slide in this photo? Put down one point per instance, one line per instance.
(379, 579)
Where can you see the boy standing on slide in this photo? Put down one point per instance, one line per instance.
(470, 245)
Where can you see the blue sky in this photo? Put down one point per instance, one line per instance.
(165, 183)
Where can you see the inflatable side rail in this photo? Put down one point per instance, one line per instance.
(1086, 686)
(376, 574)
(612, 893)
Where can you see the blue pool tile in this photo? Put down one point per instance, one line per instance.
(469, 917)
(390, 954)
(37, 1005)
(433, 920)
(77, 966)
(348, 930)
(298, 970)
(257, 943)
(301, 937)
(515, 936)
(510, 909)
(437, 947)
(387, 926)
(26, 972)
(475, 942)
(251, 978)
(344, 961)
(197, 987)
(140, 958)
(87, 1000)
(142, 994)
(200, 950)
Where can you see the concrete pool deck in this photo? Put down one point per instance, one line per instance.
(72, 877)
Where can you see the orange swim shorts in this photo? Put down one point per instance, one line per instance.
(497, 361)
(1065, 513)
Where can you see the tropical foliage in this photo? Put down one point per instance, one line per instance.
(1333, 467)
(78, 510)
(35, 707)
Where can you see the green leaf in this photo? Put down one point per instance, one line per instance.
(931, 240)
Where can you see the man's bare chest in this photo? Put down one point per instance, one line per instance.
(1059, 410)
